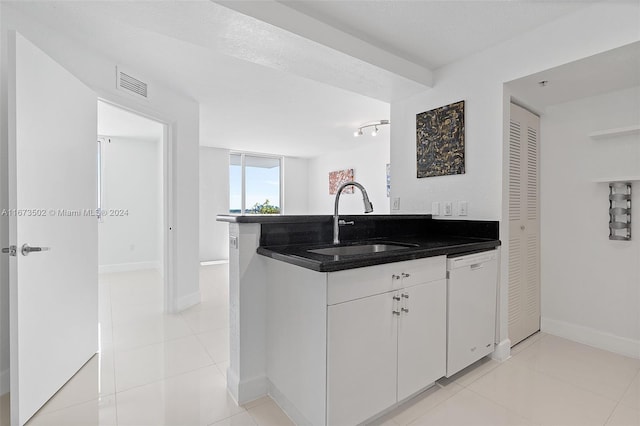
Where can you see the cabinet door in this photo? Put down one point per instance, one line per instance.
(422, 337)
(361, 358)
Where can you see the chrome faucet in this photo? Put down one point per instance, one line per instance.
(368, 207)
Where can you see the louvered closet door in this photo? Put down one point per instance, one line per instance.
(524, 225)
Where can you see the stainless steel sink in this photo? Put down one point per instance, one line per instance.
(360, 249)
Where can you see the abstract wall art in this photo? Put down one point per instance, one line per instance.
(339, 177)
(440, 141)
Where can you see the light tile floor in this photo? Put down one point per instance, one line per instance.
(158, 369)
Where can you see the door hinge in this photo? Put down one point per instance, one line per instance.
(11, 250)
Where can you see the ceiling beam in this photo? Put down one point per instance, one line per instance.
(285, 18)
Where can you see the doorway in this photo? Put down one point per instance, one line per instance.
(132, 206)
(130, 191)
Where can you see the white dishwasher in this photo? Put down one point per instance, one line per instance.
(471, 308)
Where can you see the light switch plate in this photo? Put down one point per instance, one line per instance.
(396, 203)
(448, 208)
(435, 208)
(463, 208)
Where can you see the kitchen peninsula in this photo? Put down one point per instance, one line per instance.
(285, 278)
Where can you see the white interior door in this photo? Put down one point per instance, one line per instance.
(524, 225)
(52, 180)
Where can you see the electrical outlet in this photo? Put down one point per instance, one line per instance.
(463, 208)
(448, 208)
(435, 208)
(396, 204)
(233, 242)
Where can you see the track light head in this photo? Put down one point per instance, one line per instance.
(373, 124)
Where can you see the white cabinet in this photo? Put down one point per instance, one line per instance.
(361, 359)
(421, 337)
(337, 354)
(385, 347)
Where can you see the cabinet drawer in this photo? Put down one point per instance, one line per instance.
(353, 284)
(419, 271)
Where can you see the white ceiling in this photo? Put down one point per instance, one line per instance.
(608, 71)
(116, 122)
(244, 106)
(435, 33)
(292, 78)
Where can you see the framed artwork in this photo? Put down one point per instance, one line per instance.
(440, 141)
(339, 177)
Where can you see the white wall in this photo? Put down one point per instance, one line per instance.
(479, 81)
(214, 200)
(296, 179)
(132, 180)
(98, 72)
(369, 163)
(590, 284)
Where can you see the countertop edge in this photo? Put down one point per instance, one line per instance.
(314, 218)
(371, 260)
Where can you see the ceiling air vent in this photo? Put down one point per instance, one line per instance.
(124, 81)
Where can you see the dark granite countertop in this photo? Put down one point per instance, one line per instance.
(423, 247)
(289, 238)
(284, 219)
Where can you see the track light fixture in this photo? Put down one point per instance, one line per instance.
(373, 124)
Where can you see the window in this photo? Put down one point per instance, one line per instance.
(254, 184)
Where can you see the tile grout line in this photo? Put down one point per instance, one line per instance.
(529, 420)
(562, 379)
(173, 376)
(619, 402)
(567, 382)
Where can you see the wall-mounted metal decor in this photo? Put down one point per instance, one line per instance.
(440, 141)
(620, 211)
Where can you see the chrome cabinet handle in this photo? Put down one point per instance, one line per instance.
(396, 313)
(405, 295)
(26, 249)
(396, 297)
(405, 310)
(395, 277)
(405, 275)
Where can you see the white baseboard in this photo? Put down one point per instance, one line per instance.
(502, 351)
(246, 391)
(4, 382)
(188, 301)
(592, 337)
(214, 262)
(127, 267)
(286, 406)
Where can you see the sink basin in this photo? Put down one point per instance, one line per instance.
(360, 249)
